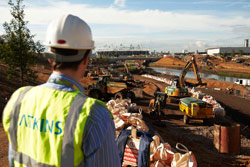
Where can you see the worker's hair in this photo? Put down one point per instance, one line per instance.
(66, 65)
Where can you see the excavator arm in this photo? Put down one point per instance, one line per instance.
(183, 73)
(126, 68)
(196, 71)
(192, 61)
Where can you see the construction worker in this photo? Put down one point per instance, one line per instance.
(56, 124)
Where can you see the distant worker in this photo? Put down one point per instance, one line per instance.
(56, 124)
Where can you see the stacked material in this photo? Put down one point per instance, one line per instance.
(122, 118)
(196, 94)
(217, 108)
(161, 155)
(165, 80)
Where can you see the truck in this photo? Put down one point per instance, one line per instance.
(196, 109)
(245, 82)
(106, 88)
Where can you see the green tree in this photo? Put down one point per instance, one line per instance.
(19, 50)
(1, 46)
(222, 55)
(241, 52)
(233, 53)
(1, 41)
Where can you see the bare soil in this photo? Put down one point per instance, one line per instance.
(199, 137)
(196, 136)
(217, 64)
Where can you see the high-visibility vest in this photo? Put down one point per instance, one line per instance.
(45, 126)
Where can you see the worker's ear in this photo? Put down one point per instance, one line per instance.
(86, 59)
(49, 60)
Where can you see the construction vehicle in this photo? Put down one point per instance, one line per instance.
(245, 82)
(196, 109)
(177, 88)
(105, 88)
(92, 75)
(196, 72)
(127, 76)
(157, 104)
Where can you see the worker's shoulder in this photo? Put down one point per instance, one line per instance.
(96, 102)
(19, 90)
(99, 108)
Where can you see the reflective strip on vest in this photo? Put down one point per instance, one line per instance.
(67, 157)
(14, 118)
(67, 154)
(27, 160)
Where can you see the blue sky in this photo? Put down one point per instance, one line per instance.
(161, 25)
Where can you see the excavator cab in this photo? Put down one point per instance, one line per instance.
(175, 83)
(177, 88)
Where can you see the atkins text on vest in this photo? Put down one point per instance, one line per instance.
(44, 124)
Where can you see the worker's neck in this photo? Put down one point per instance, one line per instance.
(73, 74)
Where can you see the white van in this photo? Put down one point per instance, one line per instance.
(244, 82)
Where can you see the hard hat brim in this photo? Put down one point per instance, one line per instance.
(61, 58)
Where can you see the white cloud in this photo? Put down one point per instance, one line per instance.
(246, 5)
(243, 3)
(120, 3)
(209, 2)
(201, 44)
(151, 27)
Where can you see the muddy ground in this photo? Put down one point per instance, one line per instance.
(196, 136)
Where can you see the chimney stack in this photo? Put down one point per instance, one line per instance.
(246, 43)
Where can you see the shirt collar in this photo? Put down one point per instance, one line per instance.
(62, 79)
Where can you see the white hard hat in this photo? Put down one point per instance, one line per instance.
(69, 32)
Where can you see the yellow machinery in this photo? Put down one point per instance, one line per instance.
(185, 70)
(105, 88)
(177, 88)
(157, 104)
(197, 109)
(127, 76)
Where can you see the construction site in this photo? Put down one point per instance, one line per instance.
(193, 121)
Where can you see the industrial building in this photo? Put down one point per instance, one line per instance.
(122, 51)
(228, 50)
(117, 53)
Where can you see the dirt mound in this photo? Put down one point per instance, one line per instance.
(213, 63)
(234, 67)
(170, 62)
(218, 84)
(149, 89)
